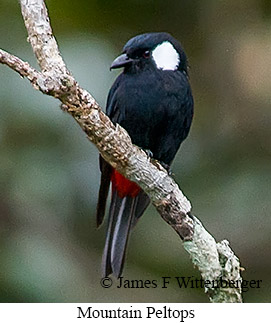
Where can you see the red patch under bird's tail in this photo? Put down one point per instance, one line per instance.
(123, 186)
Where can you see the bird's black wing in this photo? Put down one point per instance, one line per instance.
(124, 211)
(105, 168)
(112, 108)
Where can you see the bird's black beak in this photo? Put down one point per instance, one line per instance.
(121, 61)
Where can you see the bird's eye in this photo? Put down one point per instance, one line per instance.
(146, 54)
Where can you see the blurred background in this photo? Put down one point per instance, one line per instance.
(50, 249)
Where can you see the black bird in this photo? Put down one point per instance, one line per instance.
(152, 100)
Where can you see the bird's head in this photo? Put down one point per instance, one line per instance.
(151, 51)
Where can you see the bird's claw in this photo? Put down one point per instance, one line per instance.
(148, 152)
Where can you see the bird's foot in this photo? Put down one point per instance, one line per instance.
(155, 162)
(167, 168)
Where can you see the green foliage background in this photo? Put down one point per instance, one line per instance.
(50, 250)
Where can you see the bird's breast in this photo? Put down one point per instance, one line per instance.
(147, 101)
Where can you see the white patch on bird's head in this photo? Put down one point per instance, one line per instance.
(166, 57)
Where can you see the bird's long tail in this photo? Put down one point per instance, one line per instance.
(125, 209)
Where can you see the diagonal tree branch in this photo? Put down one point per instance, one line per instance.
(214, 260)
(21, 67)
